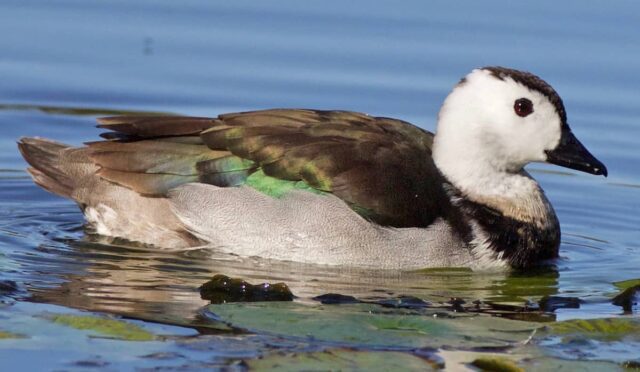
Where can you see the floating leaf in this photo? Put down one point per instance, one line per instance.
(371, 325)
(610, 328)
(545, 363)
(104, 326)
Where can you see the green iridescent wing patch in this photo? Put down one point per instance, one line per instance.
(276, 187)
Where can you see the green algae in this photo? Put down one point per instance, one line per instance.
(626, 284)
(8, 335)
(496, 364)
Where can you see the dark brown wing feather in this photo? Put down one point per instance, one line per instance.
(381, 167)
(155, 126)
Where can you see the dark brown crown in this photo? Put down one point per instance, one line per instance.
(532, 82)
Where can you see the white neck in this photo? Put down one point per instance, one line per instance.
(485, 178)
(476, 176)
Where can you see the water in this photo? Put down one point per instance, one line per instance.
(65, 63)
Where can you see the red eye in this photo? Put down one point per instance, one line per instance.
(523, 107)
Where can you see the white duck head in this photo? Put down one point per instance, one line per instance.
(497, 120)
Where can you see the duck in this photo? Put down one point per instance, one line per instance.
(331, 187)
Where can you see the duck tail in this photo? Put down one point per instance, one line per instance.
(46, 158)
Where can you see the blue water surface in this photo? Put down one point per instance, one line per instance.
(64, 63)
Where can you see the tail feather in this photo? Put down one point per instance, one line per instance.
(45, 157)
(110, 208)
(50, 184)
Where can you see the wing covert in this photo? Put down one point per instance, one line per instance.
(381, 167)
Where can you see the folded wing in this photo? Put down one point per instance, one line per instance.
(381, 167)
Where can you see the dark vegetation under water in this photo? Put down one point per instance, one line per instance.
(223, 289)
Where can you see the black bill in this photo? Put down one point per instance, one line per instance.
(572, 154)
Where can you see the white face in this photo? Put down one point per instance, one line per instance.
(478, 122)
